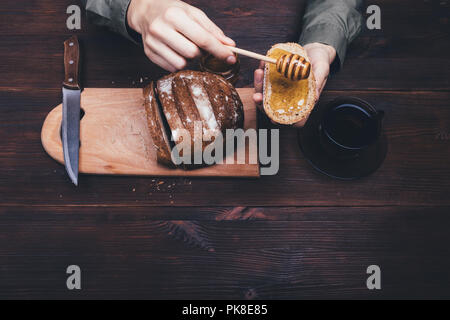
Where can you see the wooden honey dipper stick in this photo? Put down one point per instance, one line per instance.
(292, 66)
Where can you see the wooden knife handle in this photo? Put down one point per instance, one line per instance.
(72, 63)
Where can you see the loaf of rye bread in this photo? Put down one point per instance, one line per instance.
(181, 100)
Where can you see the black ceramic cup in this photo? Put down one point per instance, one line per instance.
(344, 139)
(349, 126)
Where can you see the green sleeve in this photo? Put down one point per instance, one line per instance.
(111, 14)
(333, 22)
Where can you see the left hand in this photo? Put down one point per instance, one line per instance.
(321, 57)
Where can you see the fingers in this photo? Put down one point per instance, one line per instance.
(258, 98)
(166, 53)
(259, 84)
(181, 45)
(231, 60)
(176, 32)
(159, 60)
(207, 24)
(192, 30)
(262, 65)
(259, 80)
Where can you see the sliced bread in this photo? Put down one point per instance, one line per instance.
(187, 97)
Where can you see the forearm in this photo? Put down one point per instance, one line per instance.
(110, 14)
(333, 22)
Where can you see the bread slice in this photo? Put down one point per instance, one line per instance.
(185, 104)
(169, 106)
(285, 101)
(233, 104)
(156, 126)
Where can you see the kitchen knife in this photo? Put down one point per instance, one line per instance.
(70, 126)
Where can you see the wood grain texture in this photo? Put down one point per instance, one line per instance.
(115, 139)
(294, 235)
(414, 172)
(319, 254)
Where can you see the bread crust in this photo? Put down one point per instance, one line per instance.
(311, 97)
(235, 114)
(156, 126)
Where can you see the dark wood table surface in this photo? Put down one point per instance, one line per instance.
(295, 235)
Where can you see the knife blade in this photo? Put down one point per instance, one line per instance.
(70, 125)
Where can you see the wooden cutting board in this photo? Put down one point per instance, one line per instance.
(115, 139)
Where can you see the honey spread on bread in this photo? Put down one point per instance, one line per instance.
(287, 96)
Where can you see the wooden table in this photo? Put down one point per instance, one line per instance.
(295, 235)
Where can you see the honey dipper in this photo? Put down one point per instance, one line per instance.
(292, 66)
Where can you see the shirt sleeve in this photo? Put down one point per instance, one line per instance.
(111, 14)
(333, 22)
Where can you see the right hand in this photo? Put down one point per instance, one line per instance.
(173, 31)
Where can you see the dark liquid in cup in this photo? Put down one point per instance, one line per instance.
(351, 126)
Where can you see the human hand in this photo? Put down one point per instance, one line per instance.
(173, 31)
(321, 57)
